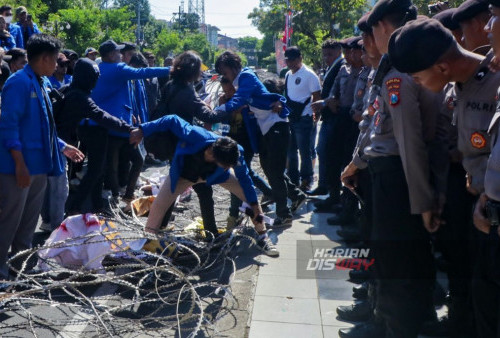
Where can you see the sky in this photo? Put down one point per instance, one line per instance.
(230, 16)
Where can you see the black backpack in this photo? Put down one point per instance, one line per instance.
(296, 108)
(162, 144)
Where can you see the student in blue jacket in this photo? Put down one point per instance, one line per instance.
(202, 157)
(112, 94)
(29, 147)
(274, 128)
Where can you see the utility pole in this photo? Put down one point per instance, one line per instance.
(288, 24)
(138, 33)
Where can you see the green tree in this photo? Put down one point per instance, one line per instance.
(166, 43)
(135, 5)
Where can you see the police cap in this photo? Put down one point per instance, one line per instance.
(417, 45)
(386, 7)
(470, 9)
(446, 18)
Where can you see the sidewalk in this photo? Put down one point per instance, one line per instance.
(286, 306)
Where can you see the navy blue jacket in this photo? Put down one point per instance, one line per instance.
(24, 125)
(192, 139)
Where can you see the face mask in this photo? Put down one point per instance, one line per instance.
(8, 19)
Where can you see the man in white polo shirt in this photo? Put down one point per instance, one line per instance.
(302, 88)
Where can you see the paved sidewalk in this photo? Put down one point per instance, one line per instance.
(285, 306)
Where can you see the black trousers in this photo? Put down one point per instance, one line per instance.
(402, 251)
(344, 136)
(120, 150)
(273, 154)
(486, 286)
(96, 141)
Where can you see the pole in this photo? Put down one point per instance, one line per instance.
(138, 33)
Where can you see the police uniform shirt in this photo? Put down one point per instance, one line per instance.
(359, 158)
(474, 109)
(401, 114)
(301, 85)
(344, 85)
(492, 176)
(360, 90)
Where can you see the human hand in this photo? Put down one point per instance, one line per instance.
(23, 179)
(349, 176)
(136, 136)
(73, 153)
(317, 106)
(277, 107)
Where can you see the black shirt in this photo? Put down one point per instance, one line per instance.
(195, 167)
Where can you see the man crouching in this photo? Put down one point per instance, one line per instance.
(201, 156)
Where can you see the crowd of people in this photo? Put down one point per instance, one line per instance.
(407, 150)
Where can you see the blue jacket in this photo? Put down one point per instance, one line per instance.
(139, 100)
(35, 30)
(111, 92)
(17, 34)
(24, 125)
(252, 92)
(191, 140)
(7, 43)
(56, 84)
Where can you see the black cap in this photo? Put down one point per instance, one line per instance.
(109, 46)
(446, 18)
(417, 45)
(495, 3)
(292, 53)
(385, 7)
(470, 9)
(129, 46)
(363, 24)
(354, 42)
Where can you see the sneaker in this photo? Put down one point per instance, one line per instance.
(298, 203)
(280, 223)
(46, 227)
(268, 247)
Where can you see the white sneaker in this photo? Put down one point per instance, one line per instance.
(268, 247)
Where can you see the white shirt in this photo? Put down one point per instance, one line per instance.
(301, 85)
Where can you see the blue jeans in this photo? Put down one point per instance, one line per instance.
(314, 133)
(324, 141)
(300, 139)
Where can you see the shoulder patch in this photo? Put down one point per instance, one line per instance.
(478, 141)
(393, 86)
(377, 120)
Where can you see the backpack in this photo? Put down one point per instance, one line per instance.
(162, 144)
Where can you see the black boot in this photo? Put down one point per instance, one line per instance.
(359, 276)
(357, 312)
(370, 329)
(360, 292)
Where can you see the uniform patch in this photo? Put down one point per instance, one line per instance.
(377, 120)
(478, 141)
(298, 80)
(394, 83)
(371, 110)
(394, 98)
(376, 104)
(360, 92)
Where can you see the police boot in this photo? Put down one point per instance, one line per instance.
(327, 205)
(360, 292)
(357, 312)
(370, 329)
(350, 233)
(359, 276)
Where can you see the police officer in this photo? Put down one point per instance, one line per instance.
(475, 90)
(403, 198)
(472, 16)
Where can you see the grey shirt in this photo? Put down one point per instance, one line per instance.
(474, 109)
(359, 158)
(492, 177)
(344, 85)
(360, 90)
(404, 120)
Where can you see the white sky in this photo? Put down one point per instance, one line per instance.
(230, 16)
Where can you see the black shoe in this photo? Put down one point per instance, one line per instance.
(341, 218)
(360, 292)
(436, 328)
(327, 206)
(317, 192)
(298, 203)
(305, 185)
(357, 312)
(350, 234)
(371, 329)
(281, 223)
(359, 276)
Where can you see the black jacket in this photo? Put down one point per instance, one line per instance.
(182, 100)
(327, 87)
(78, 104)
